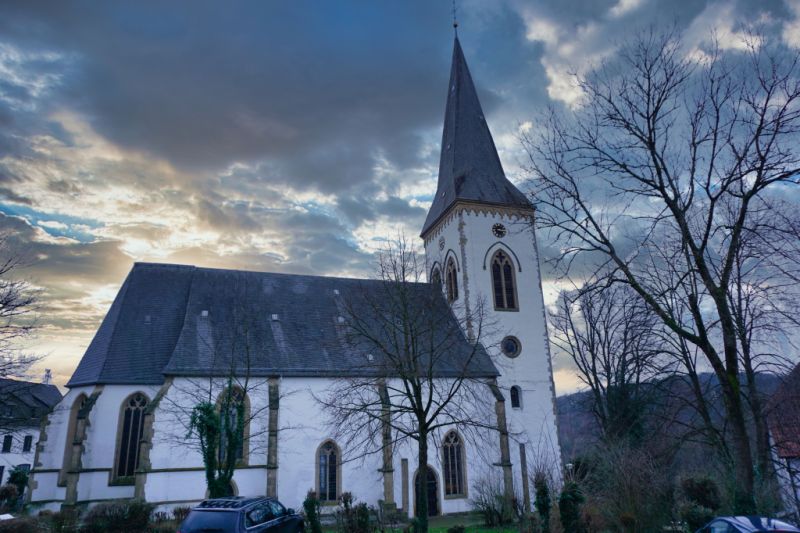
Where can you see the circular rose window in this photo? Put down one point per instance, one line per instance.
(510, 346)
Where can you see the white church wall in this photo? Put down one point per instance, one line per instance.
(51, 451)
(469, 237)
(173, 450)
(303, 428)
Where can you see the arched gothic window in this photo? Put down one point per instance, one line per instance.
(451, 280)
(516, 397)
(234, 417)
(454, 463)
(129, 434)
(505, 292)
(72, 426)
(329, 471)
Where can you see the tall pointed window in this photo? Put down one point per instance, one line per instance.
(328, 471)
(505, 291)
(451, 280)
(131, 426)
(453, 462)
(516, 397)
(234, 416)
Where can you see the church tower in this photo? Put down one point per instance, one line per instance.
(480, 244)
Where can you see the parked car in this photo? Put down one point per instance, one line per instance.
(238, 514)
(747, 524)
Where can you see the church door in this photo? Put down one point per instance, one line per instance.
(433, 490)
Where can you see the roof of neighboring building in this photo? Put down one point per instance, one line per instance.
(185, 320)
(469, 167)
(38, 398)
(784, 417)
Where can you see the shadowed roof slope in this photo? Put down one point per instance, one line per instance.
(183, 320)
(39, 398)
(469, 167)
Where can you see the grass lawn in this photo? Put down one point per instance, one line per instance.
(474, 524)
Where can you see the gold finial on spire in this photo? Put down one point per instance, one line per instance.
(455, 18)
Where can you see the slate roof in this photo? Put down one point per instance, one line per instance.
(469, 167)
(28, 399)
(185, 320)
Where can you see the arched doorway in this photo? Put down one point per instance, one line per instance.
(433, 490)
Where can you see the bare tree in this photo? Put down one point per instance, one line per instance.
(692, 147)
(18, 308)
(418, 374)
(613, 339)
(215, 414)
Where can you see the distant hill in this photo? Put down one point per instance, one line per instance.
(578, 430)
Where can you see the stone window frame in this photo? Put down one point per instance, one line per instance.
(114, 477)
(245, 459)
(27, 443)
(462, 467)
(72, 426)
(505, 270)
(338, 451)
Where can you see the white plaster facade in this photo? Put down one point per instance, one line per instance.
(466, 233)
(16, 455)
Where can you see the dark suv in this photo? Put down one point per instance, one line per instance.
(239, 514)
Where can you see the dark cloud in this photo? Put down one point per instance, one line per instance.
(265, 135)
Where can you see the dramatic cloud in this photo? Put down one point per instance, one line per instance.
(290, 136)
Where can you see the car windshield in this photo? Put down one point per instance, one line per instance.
(210, 521)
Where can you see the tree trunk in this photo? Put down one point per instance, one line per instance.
(421, 484)
(744, 501)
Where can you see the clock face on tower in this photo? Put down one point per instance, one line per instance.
(499, 230)
(510, 346)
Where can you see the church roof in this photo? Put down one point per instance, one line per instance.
(469, 167)
(185, 320)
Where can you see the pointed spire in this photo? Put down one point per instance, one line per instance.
(469, 167)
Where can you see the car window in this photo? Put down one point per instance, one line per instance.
(277, 508)
(210, 521)
(258, 515)
(721, 527)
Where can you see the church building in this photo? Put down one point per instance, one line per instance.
(173, 331)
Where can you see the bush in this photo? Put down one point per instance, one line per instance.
(457, 529)
(61, 521)
(311, 512)
(569, 505)
(180, 513)
(352, 518)
(696, 516)
(25, 524)
(19, 478)
(128, 516)
(542, 501)
(490, 502)
(8, 496)
(702, 491)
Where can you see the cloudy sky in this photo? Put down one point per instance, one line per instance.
(280, 136)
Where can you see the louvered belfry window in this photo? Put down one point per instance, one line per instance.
(453, 451)
(328, 467)
(131, 435)
(505, 293)
(451, 280)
